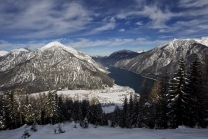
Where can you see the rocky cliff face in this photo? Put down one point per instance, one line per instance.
(53, 66)
(164, 58)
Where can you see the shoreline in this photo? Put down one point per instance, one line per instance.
(135, 73)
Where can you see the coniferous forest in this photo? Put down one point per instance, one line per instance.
(180, 99)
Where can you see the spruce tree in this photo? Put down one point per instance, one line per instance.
(177, 104)
(124, 113)
(129, 112)
(135, 111)
(51, 107)
(194, 89)
(10, 110)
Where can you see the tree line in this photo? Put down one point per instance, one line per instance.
(180, 100)
(171, 102)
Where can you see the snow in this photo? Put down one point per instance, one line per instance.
(104, 132)
(2, 53)
(71, 50)
(203, 40)
(19, 50)
(141, 51)
(108, 97)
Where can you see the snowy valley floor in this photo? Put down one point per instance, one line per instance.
(47, 132)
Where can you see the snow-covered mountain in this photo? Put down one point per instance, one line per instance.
(117, 56)
(141, 51)
(53, 66)
(165, 58)
(2, 53)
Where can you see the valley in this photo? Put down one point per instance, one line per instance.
(108, 69)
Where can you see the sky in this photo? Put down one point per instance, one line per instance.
(100, 27)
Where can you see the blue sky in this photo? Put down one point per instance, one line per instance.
(100, 27)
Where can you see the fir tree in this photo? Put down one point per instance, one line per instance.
(194, 89)
(51, 107)
(10, 110)
(129, 112)
(115, 119)
(123, 120)
(176, 98)
(135, 112)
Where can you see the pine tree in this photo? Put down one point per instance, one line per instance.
(10, 110)
(124, 113)
(137, 111)
(75, 111)
(115, 119)
(68, 113)
(29, 114)
(205, 87)
(95, 114)
(129, 112)
(177, 98)
(51, 107)
(194, 89)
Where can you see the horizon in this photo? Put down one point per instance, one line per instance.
(100, 27)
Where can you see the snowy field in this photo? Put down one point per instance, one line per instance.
(47, 132)
(108, 97)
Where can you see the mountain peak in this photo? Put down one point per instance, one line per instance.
(2, 53)
(56, 44)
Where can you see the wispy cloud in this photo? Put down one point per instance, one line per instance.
(193, 3)
(121, 30)
(108, 23)
(4, 45)
(44, 19)
(84, 43)
(139, 23)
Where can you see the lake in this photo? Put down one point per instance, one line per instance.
(127, 78)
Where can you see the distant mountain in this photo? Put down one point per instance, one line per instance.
(164, 58)
(2, 53)
(117, 56)
(53, 66)
(141, 51)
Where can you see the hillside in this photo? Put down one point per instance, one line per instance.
(117, 56)
(52, 67)
(47, 132)
(164, 59)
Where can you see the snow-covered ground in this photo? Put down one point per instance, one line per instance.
(47, 132)
(108, 97)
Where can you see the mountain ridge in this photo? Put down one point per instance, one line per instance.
(54, 66)
(164, 58)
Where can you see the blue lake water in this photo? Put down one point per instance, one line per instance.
(126, 78)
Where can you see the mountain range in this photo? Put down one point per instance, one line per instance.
(160, 60)
(117, 56)
(52, 67)
(164, 59)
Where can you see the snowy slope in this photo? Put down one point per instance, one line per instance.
(2, 53)
(141, 51)
(203, 40)
(154, 63)
(47, 132)
(13, 58)
(57, 45)
(53, 66)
